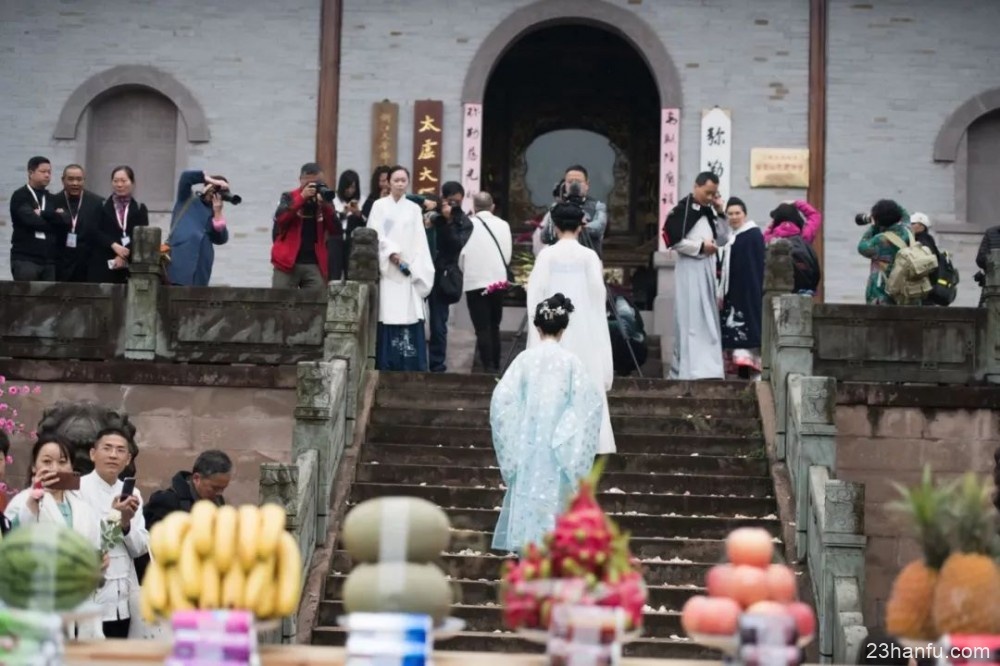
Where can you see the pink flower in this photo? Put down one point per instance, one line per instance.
(3, 380)
(25, 389)
(37, 390)
(37, 492)
(3, 406)
(9, 459)
(13, 413)
(13, 390)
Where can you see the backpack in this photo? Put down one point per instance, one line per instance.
(945, 287)
(908, 277)
(805, 264)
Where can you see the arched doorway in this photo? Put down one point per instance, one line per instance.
(575, 93)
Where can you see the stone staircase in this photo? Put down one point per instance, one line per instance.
(690, 468)
(652, 368)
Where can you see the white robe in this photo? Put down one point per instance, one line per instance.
(697, 329)
(400, 228)
(575, 271)
(85, 523)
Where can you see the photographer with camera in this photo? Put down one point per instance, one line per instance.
(900, 265)
(196, 225)
(302, 222)
(990, 242)
(452, 229)
(576, 187)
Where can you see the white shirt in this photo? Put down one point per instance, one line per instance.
(481, 262)
(400, 229)
(121, 581)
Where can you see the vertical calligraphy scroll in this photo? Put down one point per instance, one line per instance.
(670, 122)
(717, 146)
(428, 138)
(385, 131)
(472, 145)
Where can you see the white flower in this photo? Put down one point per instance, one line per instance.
(114, 517)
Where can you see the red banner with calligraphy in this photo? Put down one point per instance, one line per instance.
(385, 128)
(428, 121)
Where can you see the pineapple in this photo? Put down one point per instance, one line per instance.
(967, 596)
(909, 610)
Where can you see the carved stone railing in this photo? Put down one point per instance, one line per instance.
(327, 406)
(829, 514)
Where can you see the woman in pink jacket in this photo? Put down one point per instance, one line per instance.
(794, 219)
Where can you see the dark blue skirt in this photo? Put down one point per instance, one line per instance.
(401, 348)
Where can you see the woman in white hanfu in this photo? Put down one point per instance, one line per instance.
(569, 268)
(406, 275)
(546, 420)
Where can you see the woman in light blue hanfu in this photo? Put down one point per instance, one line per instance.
(546, 419)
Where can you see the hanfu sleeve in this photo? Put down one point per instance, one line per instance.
(386, 247)
(506, 413)
(578, 431)
(536, 292)
(599, 320)
(421, 263)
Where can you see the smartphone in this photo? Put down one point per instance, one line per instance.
(66, 481)
(128, 486)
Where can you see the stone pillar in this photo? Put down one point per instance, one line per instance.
(811, 439)
(843, 559)
(792, 354)
(320, 426)
(363, 267)
(142, 322)
(664, 303)
(347, 329)
(991, 352)
(779, 278)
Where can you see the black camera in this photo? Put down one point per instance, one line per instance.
(572, 193)
(863, 219)
(229, 197)
(324, 191)
(980, 278)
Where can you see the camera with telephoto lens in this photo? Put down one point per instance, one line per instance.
(980, 278)
(863, 219)
(572, 193)
(324, 191)
(229, 197)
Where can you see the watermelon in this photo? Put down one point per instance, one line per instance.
(47, 567)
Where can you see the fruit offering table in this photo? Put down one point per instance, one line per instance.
(137, 653)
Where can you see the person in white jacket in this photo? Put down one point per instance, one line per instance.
(574, 270)
(103, 492)
(406, 275)
(484, 261)
(51, 456)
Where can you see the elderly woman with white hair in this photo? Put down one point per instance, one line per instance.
(944, 279)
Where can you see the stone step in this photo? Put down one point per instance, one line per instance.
(685, 444)
(649, 525)
(509, 642)
(428, 414)
(485, 565)
(629, 462)
(619, 405)
(714, 484)
(483, 592)
(488, 618)
(487, 498)
(652, 548)
(643, 388)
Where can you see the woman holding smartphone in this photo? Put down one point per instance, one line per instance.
(111, 239)
(53, 497)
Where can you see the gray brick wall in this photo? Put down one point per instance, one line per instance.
(898, 69)
(728, 54)
(252, 66)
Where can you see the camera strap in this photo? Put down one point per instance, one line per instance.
(179, 215)
(506, 264)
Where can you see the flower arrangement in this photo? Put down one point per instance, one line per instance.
(503, 285)
(9, 423)
(112, 533)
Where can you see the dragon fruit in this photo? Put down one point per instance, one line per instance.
(585, 560)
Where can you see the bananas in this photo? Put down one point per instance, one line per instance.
(223, 557)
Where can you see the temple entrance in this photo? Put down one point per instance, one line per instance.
(577, 94)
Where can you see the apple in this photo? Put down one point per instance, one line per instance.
(780, 582)
(721, 616)
(751, 546)
(693, 614)
(768, 608)
(749, 585)
(805, 618)
(719, 581)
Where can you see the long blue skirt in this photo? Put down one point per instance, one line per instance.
(401, 348)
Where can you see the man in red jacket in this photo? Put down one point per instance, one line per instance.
(301, 225)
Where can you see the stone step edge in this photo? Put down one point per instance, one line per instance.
(621, 454)
(375, 463)
(495, 582)
(491, 555)
(599, 494)
(692, 516)
(505, 634)
(498, 607)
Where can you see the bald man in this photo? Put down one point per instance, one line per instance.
(484, 261)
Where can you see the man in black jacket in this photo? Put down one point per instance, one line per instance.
(208, 479)
(452, 229)
(37, 224)
(990, 242)
(81, 210)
